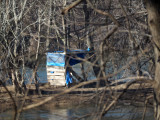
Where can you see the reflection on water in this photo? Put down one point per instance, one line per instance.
(129, 113)
(71, 113)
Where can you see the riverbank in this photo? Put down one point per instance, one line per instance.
(136, 94)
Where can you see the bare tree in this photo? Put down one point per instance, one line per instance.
(153, 21)
(116, 32)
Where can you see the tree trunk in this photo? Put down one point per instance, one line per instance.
(87, 17)
(49, 23)
(153, 8)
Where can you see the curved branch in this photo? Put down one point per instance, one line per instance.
(65, 10)
(106, 14)
(103, 13)
(106, 109)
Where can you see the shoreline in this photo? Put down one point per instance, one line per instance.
(77, 96)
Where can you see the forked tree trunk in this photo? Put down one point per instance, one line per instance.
(153, 8)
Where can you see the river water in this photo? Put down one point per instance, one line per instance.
(74, 112)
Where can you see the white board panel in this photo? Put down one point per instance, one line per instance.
(56, 77)
(58, 82)
(56, 73)
(53, 69)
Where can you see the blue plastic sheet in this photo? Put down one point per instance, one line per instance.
(55, 59)
(68, 78)
(76, 59)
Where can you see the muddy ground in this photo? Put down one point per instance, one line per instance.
(136, 94)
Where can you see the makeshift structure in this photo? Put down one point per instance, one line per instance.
(59, 63)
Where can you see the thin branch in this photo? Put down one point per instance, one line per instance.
(22, 10)
(14, 102)
(65, 10)
(103, 13)
(128, 24)
(106, 14)
(106, 109)
(145, 108)
(128, 78)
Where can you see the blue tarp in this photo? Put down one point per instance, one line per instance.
(76, 59)
(55, 59)
(68, 78)
(58, 58)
